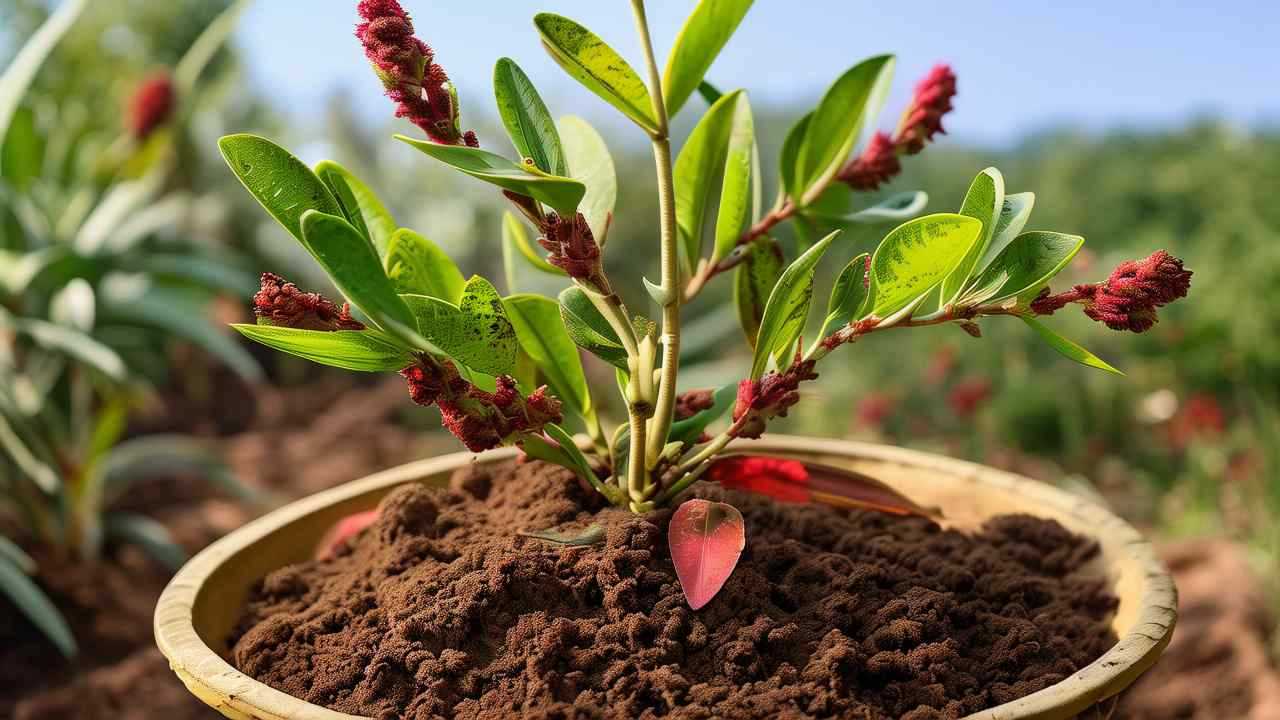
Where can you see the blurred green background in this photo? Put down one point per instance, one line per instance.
(163, 248)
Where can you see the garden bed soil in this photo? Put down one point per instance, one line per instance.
(440, 609)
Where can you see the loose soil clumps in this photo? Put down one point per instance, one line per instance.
(440, 609)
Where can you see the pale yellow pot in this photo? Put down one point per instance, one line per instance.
(204, 600)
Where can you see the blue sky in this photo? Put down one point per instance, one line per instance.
(1022, 66)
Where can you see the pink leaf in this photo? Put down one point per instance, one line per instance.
(706, 540)
(342, 531)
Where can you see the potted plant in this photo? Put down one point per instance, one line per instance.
(597, 576)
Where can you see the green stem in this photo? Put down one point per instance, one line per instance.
(664, 410)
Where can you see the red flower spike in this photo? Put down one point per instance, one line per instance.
(877, 164)
(796, 482)
(693, 402)
(1128, 299)
(968, 395)
(281, 303)
(706, 539)
(572, 248)
(406, 66)
(150, 105)
(770, 396)
(923, 119)
(342, 531)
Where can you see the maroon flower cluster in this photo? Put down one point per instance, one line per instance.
(481, 420)
(407, 68)
(770, 396)
(879, 162)
(282, 303)
(1129, 298)
(150, 105)
(573, 248)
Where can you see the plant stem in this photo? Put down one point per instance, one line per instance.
(636, 481)
(664, 410)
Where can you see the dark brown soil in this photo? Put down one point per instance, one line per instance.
(441, 610)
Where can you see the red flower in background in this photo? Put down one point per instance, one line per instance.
(150, 105)
(1200, 416)
(875, 407)
(968, 395)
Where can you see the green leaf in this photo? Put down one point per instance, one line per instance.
(36, 606)
(710, 93)
(10, 551)
(359, 350)
(848, 297)
(590, 163)
(983, 202)
(687, 431)
(600, 68)
(353, 265)
(789, 158)
(700, 40)
(838, 121)
(175, 313)
(212, 273)
(1031, 261)
(753, 281)
(22, 68)
(561, 193)
(737, 192)
(702, 155)
(477, 332)
(589, 329)
(543, 337)
(897, 207)
(1014, 215)
(570, 448)
(205, 47)
(565, 453)
(154, 456)
(1067, 348)
(415, 265)
(916, 256)
(282, 183)
(788, 307)
(515, 235)
(359, 205)
(39, 469)
(75, 344)
(22, 151)
(525, 116)
(151, 536)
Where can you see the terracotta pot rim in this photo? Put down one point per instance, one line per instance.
(236, 695)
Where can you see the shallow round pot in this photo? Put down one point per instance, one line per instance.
(204, 600)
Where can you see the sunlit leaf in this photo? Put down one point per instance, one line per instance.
(789, 158)
(282, 183)
(360, 205)
(984, 202)
(525, 116)
(704, 34)
(600, 68)
(916, 256)
(848, 296)
(351, 262)
(706, 539)
(695, 171)
(737, 191)
(561, 193)
(475, 332)
(1030, 262)
(1014, 215)
(788, 307)
(836, 125)
(416, 265)
(359, 350)
(895, 208)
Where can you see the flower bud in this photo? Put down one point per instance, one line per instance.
(281, 303)
(877, 164)
(406, 66)
(150, 105)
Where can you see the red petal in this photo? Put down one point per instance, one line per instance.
(784, 480)
(706, 539)
(343, 530)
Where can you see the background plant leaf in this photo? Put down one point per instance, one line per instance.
(32, 602)
(703, 36)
